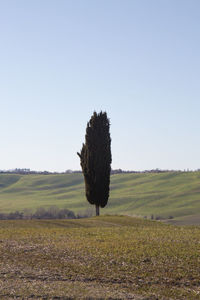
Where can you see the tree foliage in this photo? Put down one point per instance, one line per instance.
(95, 159)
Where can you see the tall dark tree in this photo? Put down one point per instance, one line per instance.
(95, 159)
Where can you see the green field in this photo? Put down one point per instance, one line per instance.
(107, 257)
(174, 194)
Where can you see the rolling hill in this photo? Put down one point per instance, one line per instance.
(161, 194)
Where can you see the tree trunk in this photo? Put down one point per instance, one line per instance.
(97, 210)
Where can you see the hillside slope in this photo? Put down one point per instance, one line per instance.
(163, 194)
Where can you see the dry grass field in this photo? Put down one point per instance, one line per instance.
(109, 257)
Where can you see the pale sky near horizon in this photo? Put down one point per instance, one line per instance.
(138, 60)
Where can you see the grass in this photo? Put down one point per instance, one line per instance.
(109, 257)
(164, 194)
(185, 220)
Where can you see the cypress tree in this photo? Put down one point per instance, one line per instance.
(95, 160)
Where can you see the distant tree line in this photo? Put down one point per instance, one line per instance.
(113, 171)
(28, 171)
(120, 171)
(52, 212)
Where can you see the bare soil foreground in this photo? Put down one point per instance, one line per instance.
(109, 257)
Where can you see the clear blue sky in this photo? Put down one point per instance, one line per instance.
(139, 60)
